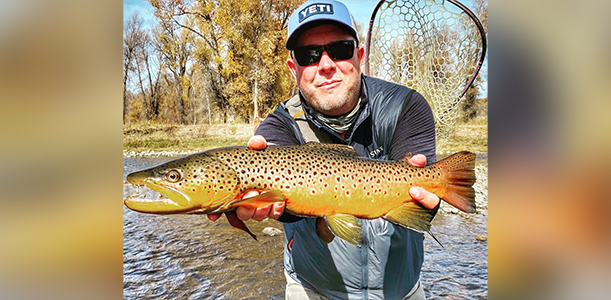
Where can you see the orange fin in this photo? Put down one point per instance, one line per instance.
(233, 219)
(461, 176)
(263, 199)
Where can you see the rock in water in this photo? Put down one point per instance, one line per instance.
(481, 237)
(271, 231)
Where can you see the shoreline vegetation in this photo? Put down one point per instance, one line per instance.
(151, 139)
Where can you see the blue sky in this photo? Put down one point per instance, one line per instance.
(361, 9)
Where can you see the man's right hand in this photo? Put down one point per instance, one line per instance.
(273, 210)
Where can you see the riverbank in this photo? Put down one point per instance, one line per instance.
(149, 139)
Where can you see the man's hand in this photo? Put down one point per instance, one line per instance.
(273, 211)
(426, 198)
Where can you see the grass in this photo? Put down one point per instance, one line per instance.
(472, 136)
(163, 137)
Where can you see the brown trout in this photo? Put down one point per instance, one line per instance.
(314, 180)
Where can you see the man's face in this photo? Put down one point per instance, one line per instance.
(331, 87)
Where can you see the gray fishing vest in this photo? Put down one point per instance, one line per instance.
(388, 263)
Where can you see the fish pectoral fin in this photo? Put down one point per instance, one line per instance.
(234, 221)
(323, 231)
(263, 199)
(347, 227)
(413, 216)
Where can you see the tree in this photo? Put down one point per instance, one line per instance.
(237, 44)
(133, 42)
(470, 107)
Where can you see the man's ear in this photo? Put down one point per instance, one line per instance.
(292, 67)
(361, 54)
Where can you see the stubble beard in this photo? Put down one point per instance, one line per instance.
(333, 102)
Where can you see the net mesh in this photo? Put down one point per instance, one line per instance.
(430, 46)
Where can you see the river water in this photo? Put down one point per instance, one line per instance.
(190, 257)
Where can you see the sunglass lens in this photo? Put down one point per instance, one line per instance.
(341, 50)
(310, 55)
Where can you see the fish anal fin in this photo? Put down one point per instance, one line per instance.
(263, 199)
(347, 227)
(323, 231)
(411, 215)
(234, 221)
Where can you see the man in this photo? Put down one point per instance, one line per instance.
(381, 120)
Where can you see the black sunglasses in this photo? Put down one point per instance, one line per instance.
(309, 55)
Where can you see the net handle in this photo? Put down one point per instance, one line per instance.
(368, 39)
(471, 15)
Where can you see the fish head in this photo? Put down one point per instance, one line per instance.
(199, 182)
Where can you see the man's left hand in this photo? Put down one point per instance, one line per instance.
(426, 198)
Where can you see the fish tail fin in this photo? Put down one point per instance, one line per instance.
(460, 168)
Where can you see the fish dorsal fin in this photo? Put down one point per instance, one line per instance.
(406, 158)
(263, 199)
(347, 227)
(337, 149)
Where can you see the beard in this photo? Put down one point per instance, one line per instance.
(342, 101)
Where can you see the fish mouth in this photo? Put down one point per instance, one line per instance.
(157, 206)
(174, 201)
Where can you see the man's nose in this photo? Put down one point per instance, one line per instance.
(326, 63)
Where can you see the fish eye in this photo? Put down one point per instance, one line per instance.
(172, 176)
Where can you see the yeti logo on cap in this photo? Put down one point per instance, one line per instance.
(315, 9)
